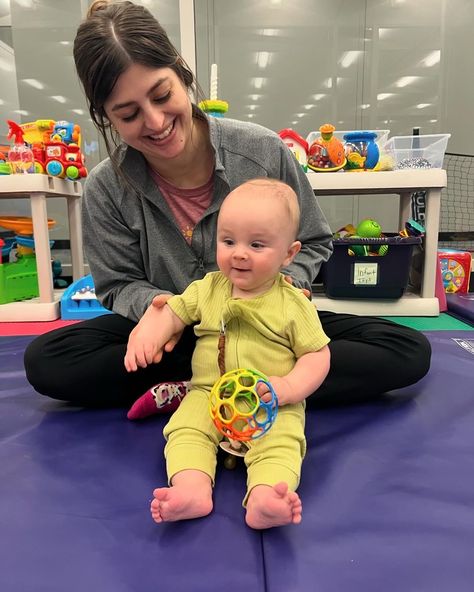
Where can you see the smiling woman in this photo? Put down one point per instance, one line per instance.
(151, 111)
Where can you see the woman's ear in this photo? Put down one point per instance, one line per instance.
(293, 249)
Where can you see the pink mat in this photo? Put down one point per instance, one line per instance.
(35, 328)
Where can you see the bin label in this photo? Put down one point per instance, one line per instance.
(366, 274)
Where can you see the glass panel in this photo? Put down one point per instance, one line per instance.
(283, 64)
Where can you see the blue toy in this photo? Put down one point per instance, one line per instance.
(80, 302)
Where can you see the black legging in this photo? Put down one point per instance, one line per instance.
(83, 363)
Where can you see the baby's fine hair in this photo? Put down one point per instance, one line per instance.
(283, 192)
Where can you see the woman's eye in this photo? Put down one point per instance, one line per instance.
(130, 117)
(163, 98)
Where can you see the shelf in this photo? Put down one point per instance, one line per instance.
(404, 183)
(22, 186)
(32, 310)
(410, 305)
(408, 180)
(38, 188)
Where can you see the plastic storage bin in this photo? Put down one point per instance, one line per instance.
(384, 276)
(408, 151)
(381, 138)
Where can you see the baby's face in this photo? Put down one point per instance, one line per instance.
(254, 240)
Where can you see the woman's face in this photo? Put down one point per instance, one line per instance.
(151, 110)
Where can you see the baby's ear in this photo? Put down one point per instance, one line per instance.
(293, 249)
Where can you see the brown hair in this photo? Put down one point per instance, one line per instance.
(114, 36)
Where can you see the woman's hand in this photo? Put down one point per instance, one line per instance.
(158, 302)
(306, 292)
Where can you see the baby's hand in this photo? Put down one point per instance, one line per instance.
(143, 348)
(282, 389)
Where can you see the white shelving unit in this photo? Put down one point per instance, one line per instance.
(38, 188)
(402, 183)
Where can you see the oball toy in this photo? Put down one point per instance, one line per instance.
(237, 410)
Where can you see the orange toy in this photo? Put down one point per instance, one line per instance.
(21, 224)
(326, 153)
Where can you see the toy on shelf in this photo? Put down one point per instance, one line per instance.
(238, 412)
(412, 228)
(214, 106)
(80, 302)
(361, 150)
(326, 153)
(55, 147)
(20, 155)
(19, 278)
(455, 268)
(297, 145)
(366, 229)
(5, 168)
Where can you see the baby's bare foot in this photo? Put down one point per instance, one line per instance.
(273, 506)
(180, 502)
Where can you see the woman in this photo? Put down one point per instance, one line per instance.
(149, 216)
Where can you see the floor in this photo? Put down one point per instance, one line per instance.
(387, 490)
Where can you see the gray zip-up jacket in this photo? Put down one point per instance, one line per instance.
(135, 249)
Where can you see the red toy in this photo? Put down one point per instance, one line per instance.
(455, 270)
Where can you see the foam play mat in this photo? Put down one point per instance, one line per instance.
(387, 491)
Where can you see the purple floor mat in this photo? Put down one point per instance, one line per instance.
(75, 488)
(387, 488)
(461, 306)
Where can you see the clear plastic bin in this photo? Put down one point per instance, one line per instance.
(381, 139)
(407, 150)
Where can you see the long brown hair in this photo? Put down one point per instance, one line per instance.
(114, 36)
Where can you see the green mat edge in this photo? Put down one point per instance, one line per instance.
(444, 322)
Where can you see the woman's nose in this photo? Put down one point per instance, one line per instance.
(153, 118)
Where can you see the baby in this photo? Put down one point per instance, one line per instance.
(268, 325)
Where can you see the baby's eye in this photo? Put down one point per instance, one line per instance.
(256, 245)
(229, 242)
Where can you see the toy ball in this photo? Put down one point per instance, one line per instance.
(237, 410)
(369, 229)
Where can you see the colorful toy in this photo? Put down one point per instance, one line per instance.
(55, 147)
(5, 168)
(326, 153)
(297, 145)
(237, 410)
(370, 229)
(79, 301)
(214, 106)
(20, 155)
(64, 161)
(361, 150)
(67, 132)
(455, 270)
(19, 278)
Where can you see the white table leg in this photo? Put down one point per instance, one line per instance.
(433, 204)
(75, 235)
(43, 252)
